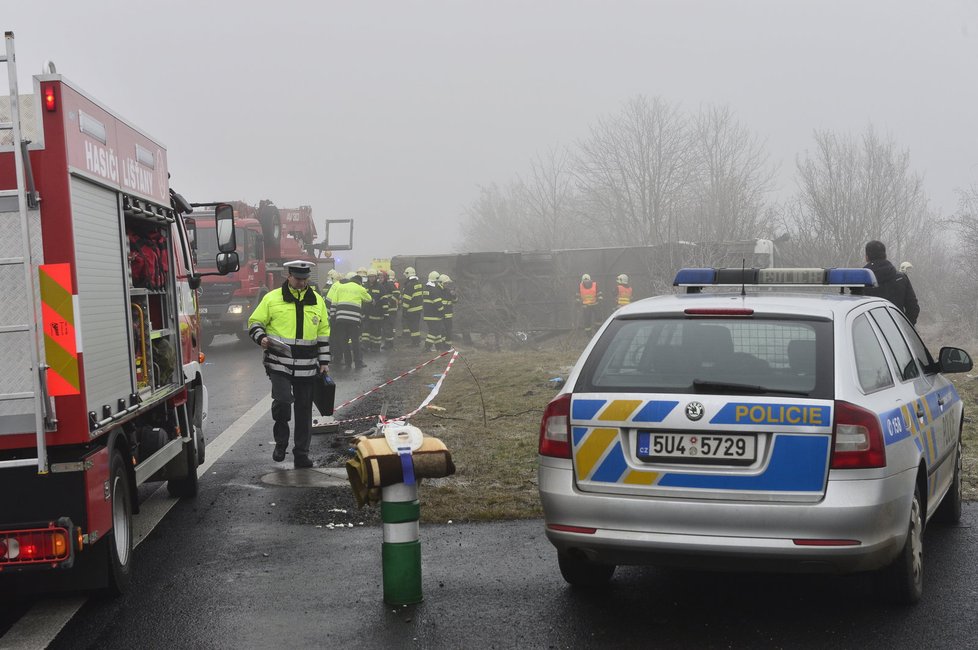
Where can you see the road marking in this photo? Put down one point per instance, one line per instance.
(42, 623)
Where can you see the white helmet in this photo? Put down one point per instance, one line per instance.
(371, 272)
(351, 275)
(905, 266)
(433, 276)
(622, 279)
(585, 278)
(444, 278)
(409, 271)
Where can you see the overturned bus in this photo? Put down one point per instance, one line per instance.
(531, 293)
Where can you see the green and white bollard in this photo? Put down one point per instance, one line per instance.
(400, 511)
(401, 551)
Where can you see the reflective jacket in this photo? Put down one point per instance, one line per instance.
(589, 295)
(411, 298)
(346, 300)
(298, 320)
(389, 295)
(448, 299)
(624, 294)
(432, 301)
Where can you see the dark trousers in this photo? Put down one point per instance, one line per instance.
(345, 342)
(411, 326)
(588, 317)
(288, 394)
(447, 326)
(387, 330)
(436, 333)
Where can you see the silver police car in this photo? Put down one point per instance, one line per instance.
(763, 428)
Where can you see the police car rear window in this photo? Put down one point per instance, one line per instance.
(775, 356)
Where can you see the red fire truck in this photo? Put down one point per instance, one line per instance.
(268, 236)
(100, 380)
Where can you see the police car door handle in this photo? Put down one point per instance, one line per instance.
(920, 411)
(940, 400)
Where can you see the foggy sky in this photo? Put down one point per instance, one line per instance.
(393, 113)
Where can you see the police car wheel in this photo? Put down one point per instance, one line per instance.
(949, 512)
(903, 581)
(577, 570)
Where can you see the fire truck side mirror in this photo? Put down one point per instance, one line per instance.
(224, 221)
(227, 262)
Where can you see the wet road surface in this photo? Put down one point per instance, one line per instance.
(255, 563)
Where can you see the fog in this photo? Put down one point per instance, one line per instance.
(394, 113)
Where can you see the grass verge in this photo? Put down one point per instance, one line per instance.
(492, 402)
(494, 446)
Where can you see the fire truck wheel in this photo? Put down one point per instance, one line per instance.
(119, 539)
(186, 486)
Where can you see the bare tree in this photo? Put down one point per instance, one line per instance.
(964, 277)
(552, 204)
(731, 179)
(495, 220)
(854, 190)
(633, 171)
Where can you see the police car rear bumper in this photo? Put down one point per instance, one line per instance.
(739, 535)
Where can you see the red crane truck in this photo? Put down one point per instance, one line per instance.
(269, 236)
(100, 380)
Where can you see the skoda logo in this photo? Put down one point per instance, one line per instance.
(694, 410)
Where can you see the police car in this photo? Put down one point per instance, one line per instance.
(756, 428)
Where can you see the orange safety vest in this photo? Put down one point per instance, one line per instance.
(589, 296)
(624, 294)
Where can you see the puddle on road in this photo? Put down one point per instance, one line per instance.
(316, 477)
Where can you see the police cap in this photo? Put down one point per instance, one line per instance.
(300, 268)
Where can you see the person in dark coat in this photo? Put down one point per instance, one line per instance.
(893, 285)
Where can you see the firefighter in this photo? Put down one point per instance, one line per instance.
(389, 295)
(412, 304)
(331, 277)
(589, 297)
(433, 313)
(449, 298)
(373, 313)
(292, 326)
(347, 299)
(624, 290)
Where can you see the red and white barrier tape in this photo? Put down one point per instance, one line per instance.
(427, 400)
(434, 391)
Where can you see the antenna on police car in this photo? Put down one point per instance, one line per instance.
(743, 272)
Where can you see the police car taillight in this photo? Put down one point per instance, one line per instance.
(858, 438)
(555, 428)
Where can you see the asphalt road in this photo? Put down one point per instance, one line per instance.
(253, 564)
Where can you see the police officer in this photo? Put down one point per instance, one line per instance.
(347, 300)
(893, 285)
(292, 327)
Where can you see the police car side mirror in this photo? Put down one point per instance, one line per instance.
(227, 262)
(954, 360)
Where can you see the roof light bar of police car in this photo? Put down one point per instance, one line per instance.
(695, 279)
